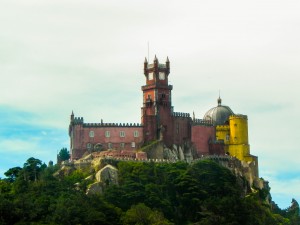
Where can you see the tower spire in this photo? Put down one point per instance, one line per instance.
(219, 99)
(145, 66)
(72, 116)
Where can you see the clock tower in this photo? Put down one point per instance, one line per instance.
(157, 106)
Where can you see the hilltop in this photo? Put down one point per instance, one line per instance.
(202, 192)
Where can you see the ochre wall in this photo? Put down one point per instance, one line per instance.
(238, 129)
(239, 142)
(222, 133)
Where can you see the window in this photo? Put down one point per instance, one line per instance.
(177, 128)
(91, 134)
(122, 145)
(107, 134)
(227, 137)
(150, 75)
(161, 75)
(109, 145)
(133, 144)
(89, 146)
(122, 134)
(98, 147)
(135, 133)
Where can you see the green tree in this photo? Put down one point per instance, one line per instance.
(141, 214)
(13, 173)
(63, 155)
(31, 169)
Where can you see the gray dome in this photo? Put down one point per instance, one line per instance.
(218, 115)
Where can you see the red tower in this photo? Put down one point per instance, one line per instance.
(157, 106)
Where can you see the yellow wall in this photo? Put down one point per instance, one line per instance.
(238, 129)
(222, 133)
(239, 151)
(235, 137)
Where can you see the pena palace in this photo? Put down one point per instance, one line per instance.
(219, 132)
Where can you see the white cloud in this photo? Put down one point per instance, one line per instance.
(59, 56)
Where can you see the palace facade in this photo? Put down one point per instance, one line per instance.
(219, 132)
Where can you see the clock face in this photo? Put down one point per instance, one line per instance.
(162, 75)
(150, 76)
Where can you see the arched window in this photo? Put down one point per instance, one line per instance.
(122, 133)
(91, 134)
(135, 133)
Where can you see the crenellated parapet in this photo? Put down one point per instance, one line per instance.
(156, 66)
(80, 121)
(112, 125)
(238, 116)
(222, 127)
(77, 120)
(180, 114)
(202, 122)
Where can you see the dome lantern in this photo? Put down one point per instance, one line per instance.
(218, 115)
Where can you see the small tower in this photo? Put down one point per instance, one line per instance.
(157, 105)
(72, 117)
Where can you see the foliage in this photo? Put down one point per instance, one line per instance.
(31, 169)
(13, 173)
(202, 193)
(143, 215)
(63, 155)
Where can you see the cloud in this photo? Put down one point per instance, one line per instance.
(22, 137)
(59, 56)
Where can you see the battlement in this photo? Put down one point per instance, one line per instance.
(222, 127)
(109, 158)
(180, 114)
(78, 120)
(202, 122)
(238, 116)
(112, 125)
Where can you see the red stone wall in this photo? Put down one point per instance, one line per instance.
(81, 138)
(166, 124)
(149, 123)
(216, 149)
(201, 135)
(181, 130)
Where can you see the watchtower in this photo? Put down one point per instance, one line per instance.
(157, 105)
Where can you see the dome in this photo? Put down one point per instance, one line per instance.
(218, 115)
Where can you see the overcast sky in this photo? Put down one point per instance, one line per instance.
(87, 56)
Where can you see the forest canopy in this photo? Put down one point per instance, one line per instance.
(148, 193)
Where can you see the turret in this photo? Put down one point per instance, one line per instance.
(72, 117)
(167, 66)
(145, 66)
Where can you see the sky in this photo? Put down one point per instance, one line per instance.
(87, 56)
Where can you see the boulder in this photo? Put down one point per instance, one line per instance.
(95, 188)
(108, 175)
